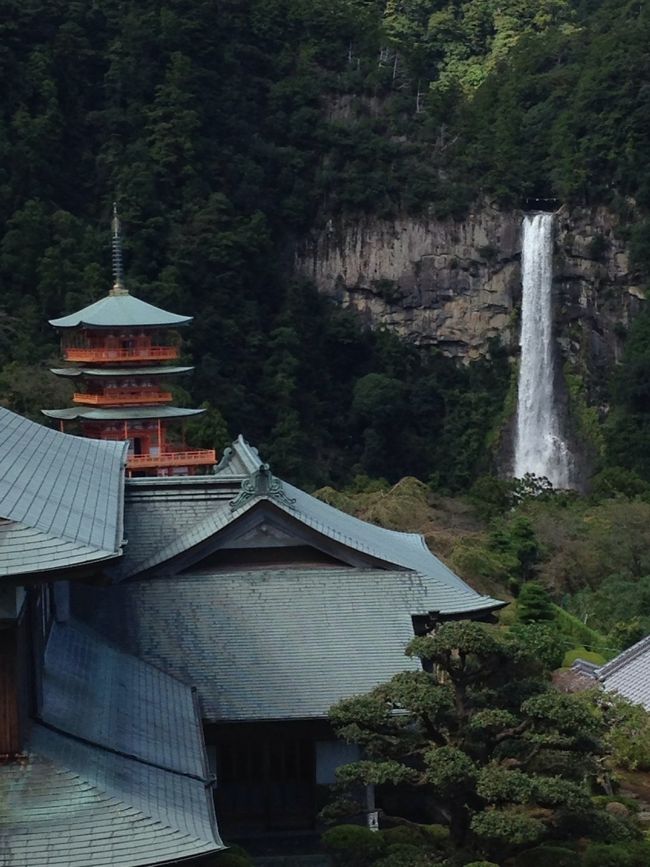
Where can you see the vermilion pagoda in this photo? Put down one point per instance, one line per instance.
(122, 351)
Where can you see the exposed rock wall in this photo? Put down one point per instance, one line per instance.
(456, 284)
(598, 292)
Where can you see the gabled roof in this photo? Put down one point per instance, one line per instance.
(121, 310)
(275, 643)
(204, 506)
(115, 773)
(116, 413)
(629, 673)
(61, 497)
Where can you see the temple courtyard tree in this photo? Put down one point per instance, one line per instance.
(479, 741)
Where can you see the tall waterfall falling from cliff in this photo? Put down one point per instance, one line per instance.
(539, 447)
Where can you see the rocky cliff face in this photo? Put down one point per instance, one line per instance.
(456, 284)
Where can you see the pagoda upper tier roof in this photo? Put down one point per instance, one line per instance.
(127, 413)
(123, 311)
(120, 371)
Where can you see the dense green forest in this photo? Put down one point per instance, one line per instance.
(226, 130)
(211, 124)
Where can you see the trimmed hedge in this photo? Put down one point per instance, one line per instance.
(353, 845)
(422, 836)
(547, 856)
(628, 854)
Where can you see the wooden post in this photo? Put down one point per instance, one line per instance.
(13, 688)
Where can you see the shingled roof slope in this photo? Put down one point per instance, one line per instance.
(116, 771)
(153, 717)
(275, 643)
(164, 519)
(629, 673)
(73, 805)
(61, 497)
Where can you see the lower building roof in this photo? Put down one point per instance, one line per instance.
(127, 413)
(153, 717)
(69, 804)
(629, 673)
(274, 643)
(115, 771)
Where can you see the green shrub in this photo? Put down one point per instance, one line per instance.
(632, 854)
(353, 845)
(581, 634)
(402, 855)
(234, 849)
(628, 736)
(603, 800)
(231, 859)
(437, 834)
(422, 836)
(547, 856)
(582, 653)
(534, 604)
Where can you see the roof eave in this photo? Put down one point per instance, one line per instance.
(82, 323)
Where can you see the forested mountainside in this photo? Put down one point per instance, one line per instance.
(228, 131)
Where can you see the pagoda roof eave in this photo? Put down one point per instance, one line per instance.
(119, 371)
(121, 311)
(121, 413)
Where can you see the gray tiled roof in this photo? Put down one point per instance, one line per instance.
(119, 371)
(152, 716)
(61, 497)
(73, 805)
(629, 673)
(277, 643)
(120, 413)
(121, 310)
(164, 519)
(116, 774)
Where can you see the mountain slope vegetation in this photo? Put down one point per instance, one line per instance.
(225, 130)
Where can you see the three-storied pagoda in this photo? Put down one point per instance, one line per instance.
(122, 350)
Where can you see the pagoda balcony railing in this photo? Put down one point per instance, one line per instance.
(123, 398)
(142, 353)
(195, 457)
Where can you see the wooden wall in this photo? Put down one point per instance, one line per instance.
(14, 689)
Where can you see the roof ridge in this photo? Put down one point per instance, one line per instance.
(116, 752)
(623, 658)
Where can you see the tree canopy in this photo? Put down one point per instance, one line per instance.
(227, 130)
(479, 740)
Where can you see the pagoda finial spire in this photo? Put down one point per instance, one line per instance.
(118, 265)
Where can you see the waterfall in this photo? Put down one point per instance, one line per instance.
(539, 447)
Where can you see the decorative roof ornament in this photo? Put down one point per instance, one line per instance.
(261, 483)
(118, 263)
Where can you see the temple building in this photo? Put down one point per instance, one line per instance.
(274, 605)
(102, 757)
(174, 632)
(122, 353)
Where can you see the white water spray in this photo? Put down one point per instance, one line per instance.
(539, 447)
